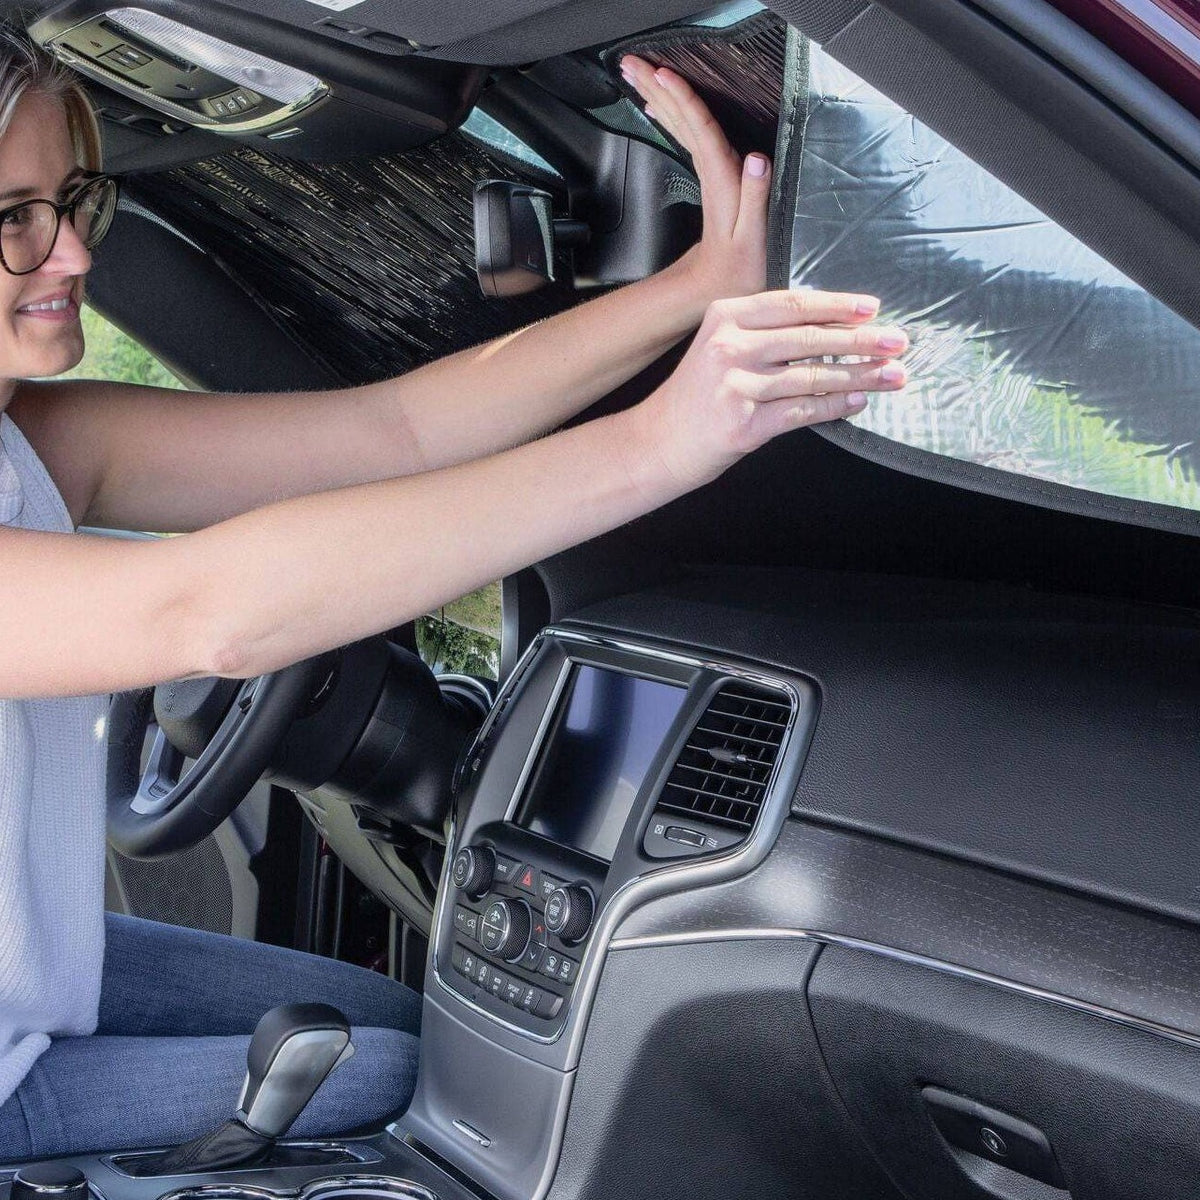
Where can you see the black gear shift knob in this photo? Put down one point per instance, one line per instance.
(49, 1181)
(293, 1049)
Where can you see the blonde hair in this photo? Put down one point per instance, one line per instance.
(25, 68)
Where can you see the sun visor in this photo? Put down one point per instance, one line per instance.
(1037, 370)
(369, 264)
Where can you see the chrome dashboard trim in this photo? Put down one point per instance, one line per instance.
(325, 1188)
(661, 880)
(699, 937)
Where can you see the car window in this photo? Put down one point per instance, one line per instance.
(1030, 353)
(464, 636)
(487, 130)
(113, 355)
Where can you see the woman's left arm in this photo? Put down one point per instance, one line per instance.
(146, 458)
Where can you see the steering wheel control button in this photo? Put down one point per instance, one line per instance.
(473, 870)
(569, 912)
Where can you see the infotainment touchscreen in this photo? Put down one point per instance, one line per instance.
(596, 756)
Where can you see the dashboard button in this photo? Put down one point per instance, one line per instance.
(550, 965)
(466, 921)
(684, 836)
(569, 913)
(497, 983)
(494, 926)
(548, 885)
(467, 966)
(514, 991)
(568, 968)
(506, 868)
(532, 958)
(473, 869)
(483, 973)
(504, 929)
(527, 880)
(548, 1005)
(530, 998)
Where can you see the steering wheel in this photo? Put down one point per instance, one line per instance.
(230, 728)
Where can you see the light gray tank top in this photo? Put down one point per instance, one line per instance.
(52, 755)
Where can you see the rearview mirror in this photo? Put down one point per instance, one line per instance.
(515, 237)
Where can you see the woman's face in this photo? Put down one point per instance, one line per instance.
(37, 160)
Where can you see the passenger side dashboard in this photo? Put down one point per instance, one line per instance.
(972, 915)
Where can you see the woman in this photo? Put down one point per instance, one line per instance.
(347, 489)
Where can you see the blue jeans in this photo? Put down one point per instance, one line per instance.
(169, 1054)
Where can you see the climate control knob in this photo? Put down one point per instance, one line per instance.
(504, 929)
(569, 912)
(473, 870)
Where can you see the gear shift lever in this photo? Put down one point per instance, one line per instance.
(294, 1048)
(292, 1052)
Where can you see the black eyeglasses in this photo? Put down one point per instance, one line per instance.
(29, 230)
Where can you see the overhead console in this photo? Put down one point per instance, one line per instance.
(170, 68)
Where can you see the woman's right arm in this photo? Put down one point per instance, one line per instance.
(269, 587)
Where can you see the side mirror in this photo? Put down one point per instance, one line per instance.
(516, 236)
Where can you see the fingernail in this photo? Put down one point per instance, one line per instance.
(856, 400)
(756, 166)
(891, 341)
(662, 76)
(866, 305)
(891, 375)
(650, 113)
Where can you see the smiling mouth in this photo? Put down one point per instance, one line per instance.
(59, 305)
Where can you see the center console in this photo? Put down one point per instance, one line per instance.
(609, 773)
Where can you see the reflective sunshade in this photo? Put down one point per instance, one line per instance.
(1030, 353)
(370, 264)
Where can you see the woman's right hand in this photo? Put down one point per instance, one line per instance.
(754, 371)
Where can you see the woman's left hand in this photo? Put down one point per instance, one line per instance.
(731, 257)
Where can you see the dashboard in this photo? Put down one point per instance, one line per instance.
(809, 884)
(968, 827)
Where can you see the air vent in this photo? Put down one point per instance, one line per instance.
(723, 771)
